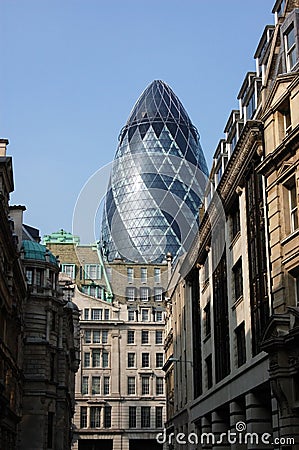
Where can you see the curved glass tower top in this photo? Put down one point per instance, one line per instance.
(157, 181)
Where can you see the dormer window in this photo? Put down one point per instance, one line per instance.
(290, 47)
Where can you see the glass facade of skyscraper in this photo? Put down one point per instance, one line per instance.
(157, 181)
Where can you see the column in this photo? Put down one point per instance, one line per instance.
(237, 417)
(219, 429)
(258, 421)
(206, 428)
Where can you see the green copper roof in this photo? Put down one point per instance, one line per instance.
(33, 250)
(61, 237)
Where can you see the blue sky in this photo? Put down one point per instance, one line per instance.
(73, 69)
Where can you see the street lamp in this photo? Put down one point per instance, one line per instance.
(173, 359)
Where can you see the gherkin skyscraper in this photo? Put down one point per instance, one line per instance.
(157, 181)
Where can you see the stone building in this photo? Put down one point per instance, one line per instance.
(232, 333)
(120, 398)
(39, 335)
(13, 293)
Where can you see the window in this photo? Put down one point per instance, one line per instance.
(84, 388)
(144, 294)
(143, 274)
(131, 386)
(206, 272)
(159, 337)
(286, 120)
(159, 416)
(290, 47)
(132, 416)
(158, 296)
(157, 275)
(105, 359)
(238, 279)
(104, 336)
(86, 359)
(92, 272)
(145, 359)
(290, 185)
(250, 108)
(144, 315)
(106, 385)
(235, 219)
(207, 319)
(96, 314)
(29, 276)
(96, 358)
(95, 416)
(159, 359)
(131, 337)
(159, 386)
(107, 416)
(87, 336)
(209, 371)
(86, 314)
(130, 294)
(145, 385)
(83, 417)
(159, 316)
(145, 416)
(131, 359)
(131, 315)
(241, 344)
(130, 274)
(95, 389)
(96, 339)
(38, 277)
(109, 273)
(69, 270)
(144, 337)
(106, 314)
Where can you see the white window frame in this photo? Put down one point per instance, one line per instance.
(143, 274)
(130, 274)
(290, 50)
(144, 294)
(157, 275)
(158, 294)
(92, 272)
(95, 312)
(69, 270)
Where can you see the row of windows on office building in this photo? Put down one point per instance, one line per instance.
(95, 336)
(145, 315)
(145, 360)
(137, 417)
(143, 278)
(144, 294)
(96, 358)
(95, 385)
(145, 337)
(145, 387)
(95, 416)
(96, 314)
